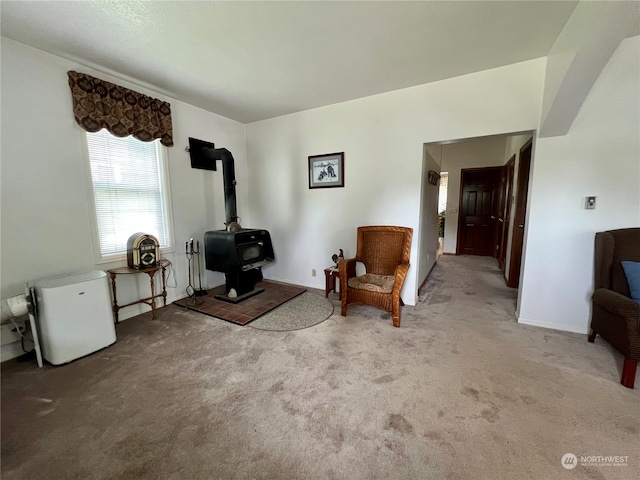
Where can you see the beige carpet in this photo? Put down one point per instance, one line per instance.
(460, 391)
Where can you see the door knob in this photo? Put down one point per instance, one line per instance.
(493, 217)
(521, 225)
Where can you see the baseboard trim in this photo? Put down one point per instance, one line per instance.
(317, 286)
(11, 350)
(428, 274)
(553, 326)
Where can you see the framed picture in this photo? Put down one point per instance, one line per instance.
(326, 171)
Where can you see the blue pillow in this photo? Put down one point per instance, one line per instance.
(632, 271)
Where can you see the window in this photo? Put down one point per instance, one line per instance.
(129, 190)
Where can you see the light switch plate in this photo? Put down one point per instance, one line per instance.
(590, 203)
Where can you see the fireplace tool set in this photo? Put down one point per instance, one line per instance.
(192, 251)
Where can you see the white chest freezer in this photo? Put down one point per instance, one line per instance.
(74, 315)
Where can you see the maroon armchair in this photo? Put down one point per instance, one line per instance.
(384, 251)
(615, 316)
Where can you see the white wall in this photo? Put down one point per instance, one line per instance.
(428, 242)
(581, 51)
(473, 153)
(46, 227)
(382, 137)
(599, 156)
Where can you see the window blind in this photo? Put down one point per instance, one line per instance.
(128, 189)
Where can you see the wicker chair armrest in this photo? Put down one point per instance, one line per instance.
(400, 275)
(346, 270)
(616, 303)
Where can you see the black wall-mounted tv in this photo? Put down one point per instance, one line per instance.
(202, 154)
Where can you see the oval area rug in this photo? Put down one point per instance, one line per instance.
(303, 311)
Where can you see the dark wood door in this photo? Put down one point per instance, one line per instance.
(519, 216)
(477, 216)
(504, 213)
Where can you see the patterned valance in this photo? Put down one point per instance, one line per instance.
(98, 104)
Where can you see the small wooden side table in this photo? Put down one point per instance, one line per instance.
(151, 301)
(330, 275)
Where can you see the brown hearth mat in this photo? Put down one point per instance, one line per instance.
(274, 295)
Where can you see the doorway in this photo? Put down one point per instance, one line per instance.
(517, 242)
(480, 153)
(504, 212)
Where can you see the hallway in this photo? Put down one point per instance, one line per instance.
(460, 276)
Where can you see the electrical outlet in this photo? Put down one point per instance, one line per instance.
(313, 272)
(590, 203)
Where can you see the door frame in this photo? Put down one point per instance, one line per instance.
(520, 215)
(505, 214)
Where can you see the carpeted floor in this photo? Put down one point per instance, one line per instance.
(460, 391)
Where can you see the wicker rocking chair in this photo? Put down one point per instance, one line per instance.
(384, 251)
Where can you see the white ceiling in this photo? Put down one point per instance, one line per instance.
(254, 60)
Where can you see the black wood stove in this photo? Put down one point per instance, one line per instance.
(239, 253)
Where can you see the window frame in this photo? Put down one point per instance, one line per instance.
(163, 164)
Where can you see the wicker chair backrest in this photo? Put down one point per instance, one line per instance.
(383, 248)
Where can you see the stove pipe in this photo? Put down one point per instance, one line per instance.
(229, 179)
